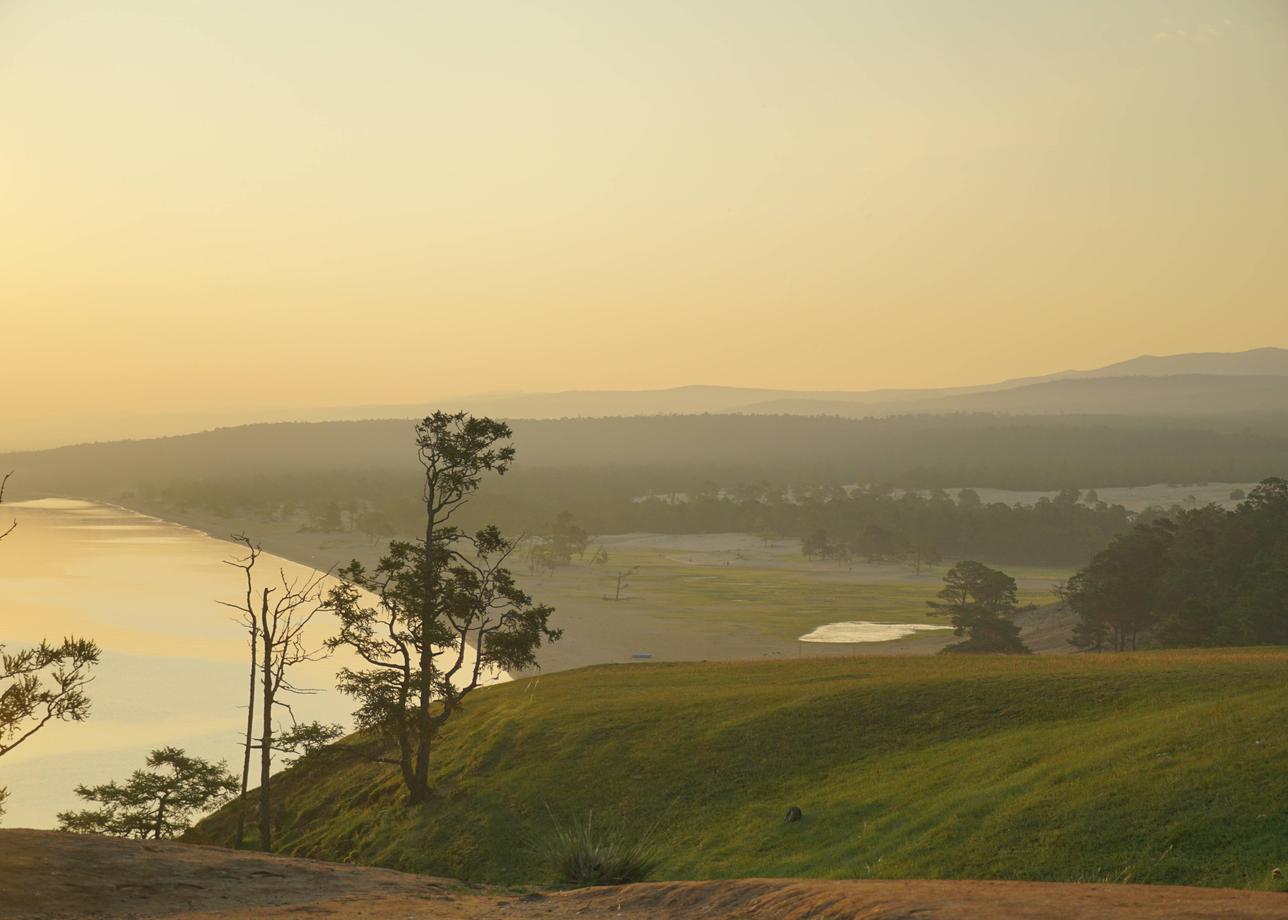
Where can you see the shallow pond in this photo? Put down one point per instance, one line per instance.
(864, 631)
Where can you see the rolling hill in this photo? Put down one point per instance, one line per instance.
(668, 453)
(1149, 767)
(1176, 395)
(1193, 384)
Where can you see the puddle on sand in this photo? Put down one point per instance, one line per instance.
(863, 631)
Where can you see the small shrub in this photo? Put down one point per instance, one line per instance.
(581, 854)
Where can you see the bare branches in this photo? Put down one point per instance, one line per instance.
(13, 524)
(247, 565)
(276, 617)
(44, 684)
(283, 628)
(248, 620)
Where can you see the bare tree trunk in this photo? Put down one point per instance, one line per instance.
(251, 621)
(276, 643)
(405, 762)
(420, 775)
(266, 743)
(419, 787)
(250, 737)
(156, 830)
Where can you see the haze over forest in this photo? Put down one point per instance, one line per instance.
(1245, 384)
(662, 458)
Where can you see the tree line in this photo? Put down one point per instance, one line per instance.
(881, 524)
(874, 522)
(1201, 577)
(664, 454)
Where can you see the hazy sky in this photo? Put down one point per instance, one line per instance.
(296, 202)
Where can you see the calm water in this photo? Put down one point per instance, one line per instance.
(865, 631)
(174, 666)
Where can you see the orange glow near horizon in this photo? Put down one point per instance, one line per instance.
(315, 204)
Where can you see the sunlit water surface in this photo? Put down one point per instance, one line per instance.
(174, 667)
(864, 631)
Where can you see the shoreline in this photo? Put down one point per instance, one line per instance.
(597, 632)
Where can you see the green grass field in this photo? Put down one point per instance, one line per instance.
(1150, 767)
(782, 598)
(789, 603)
(696, 592)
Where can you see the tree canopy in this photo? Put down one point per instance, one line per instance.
(156, 802)
(447, 611)
(1204, 577)
(980, 602)
(558, 543)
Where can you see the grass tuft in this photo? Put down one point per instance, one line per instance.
(581, 853)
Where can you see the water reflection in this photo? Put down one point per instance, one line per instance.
(174, 661)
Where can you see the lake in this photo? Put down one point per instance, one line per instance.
(174, 664)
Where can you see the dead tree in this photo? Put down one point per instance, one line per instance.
(621, 583)
(13, 522)
(251, 622)
(275, 618)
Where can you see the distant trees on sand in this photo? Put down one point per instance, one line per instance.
(559, 542)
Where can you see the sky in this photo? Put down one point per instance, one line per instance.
(237, 203)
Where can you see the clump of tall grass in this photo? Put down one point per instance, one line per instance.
(581, 853)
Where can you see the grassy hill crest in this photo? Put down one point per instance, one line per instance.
(1150, 767)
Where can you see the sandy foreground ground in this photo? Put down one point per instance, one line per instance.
(45, 875)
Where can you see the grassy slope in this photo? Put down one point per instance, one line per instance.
(1156, 767)
(784, 600)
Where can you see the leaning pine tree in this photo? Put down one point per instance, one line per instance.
(446, 612)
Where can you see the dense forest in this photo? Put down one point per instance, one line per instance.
(852, 489)
(681, 452)
(873, 523)
(1204, 576)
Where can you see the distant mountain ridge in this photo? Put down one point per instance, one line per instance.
(1199, 383)
(1171, 395)
(1205, 383)
(1256, 362)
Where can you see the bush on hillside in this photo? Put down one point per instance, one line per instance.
(581, 854)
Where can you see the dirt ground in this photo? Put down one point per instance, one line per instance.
(45, 875)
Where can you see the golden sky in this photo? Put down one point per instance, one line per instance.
(308, 203)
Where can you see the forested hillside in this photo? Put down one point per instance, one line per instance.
(779, 476)
(1204, 576)
(679, 453)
